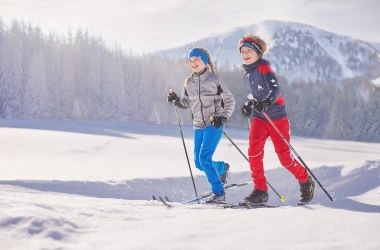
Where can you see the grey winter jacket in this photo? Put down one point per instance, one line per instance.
(206, 94)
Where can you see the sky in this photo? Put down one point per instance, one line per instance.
(150, 25)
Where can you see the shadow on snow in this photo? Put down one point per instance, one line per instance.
(341, 188)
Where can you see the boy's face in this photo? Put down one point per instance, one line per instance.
(248, 55)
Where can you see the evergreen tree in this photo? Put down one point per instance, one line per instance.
(11, 73)
(36, 91)
(370, 130)
(78, 77)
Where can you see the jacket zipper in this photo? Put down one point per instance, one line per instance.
(199, 96)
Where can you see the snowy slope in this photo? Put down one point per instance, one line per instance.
(297, 51)
(87, 185)
(376, 82)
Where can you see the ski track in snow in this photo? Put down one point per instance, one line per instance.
(104, 207)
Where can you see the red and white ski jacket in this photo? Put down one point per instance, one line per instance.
(262, 84)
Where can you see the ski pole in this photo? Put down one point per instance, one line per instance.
(294, 151)
(184, 145)
(282, 198)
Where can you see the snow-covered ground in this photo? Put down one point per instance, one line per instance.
(87, 185)
(376, 82)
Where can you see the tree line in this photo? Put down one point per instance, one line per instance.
(76, 76)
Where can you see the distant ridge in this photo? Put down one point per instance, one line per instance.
(296, 51)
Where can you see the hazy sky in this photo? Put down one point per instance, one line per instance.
(148, 25)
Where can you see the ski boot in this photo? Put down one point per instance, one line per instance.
(307, 191)
(216, 198)
(257, 198)
(223, 177)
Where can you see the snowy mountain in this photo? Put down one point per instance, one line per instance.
(297, 51)
(376, 45)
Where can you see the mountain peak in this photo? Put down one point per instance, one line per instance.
(297, 51)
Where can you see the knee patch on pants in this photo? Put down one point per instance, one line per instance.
(205, 163)
(286, 159)
(256, 157)
(198, 164)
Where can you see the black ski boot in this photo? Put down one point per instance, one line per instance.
(257, 197)
(307, 191)
(216, 198)
(223, 177)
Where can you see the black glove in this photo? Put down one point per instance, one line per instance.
(261, 106)
(172, 97)
(218, 121)
(246, 109)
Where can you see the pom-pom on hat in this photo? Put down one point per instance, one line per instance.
(251, 43)
(198, 52)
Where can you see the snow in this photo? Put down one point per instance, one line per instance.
(376, 82)
(87, 185)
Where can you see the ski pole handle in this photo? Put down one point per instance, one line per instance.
(173, 95)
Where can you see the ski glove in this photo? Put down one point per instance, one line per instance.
(218, 121)
(261, 106)
(172, 97)
(246, 109)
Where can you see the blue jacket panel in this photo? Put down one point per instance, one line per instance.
(262, 83)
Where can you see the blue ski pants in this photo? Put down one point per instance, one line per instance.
(205, 142)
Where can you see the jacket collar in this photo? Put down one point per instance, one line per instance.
(253, 66)
(203, 76)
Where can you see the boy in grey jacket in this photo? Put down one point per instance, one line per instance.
(207, 96)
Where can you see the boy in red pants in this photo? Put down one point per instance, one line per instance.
(265, 96)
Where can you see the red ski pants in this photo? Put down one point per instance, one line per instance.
(259, 132)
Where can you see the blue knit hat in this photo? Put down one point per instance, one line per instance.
(198, 52)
